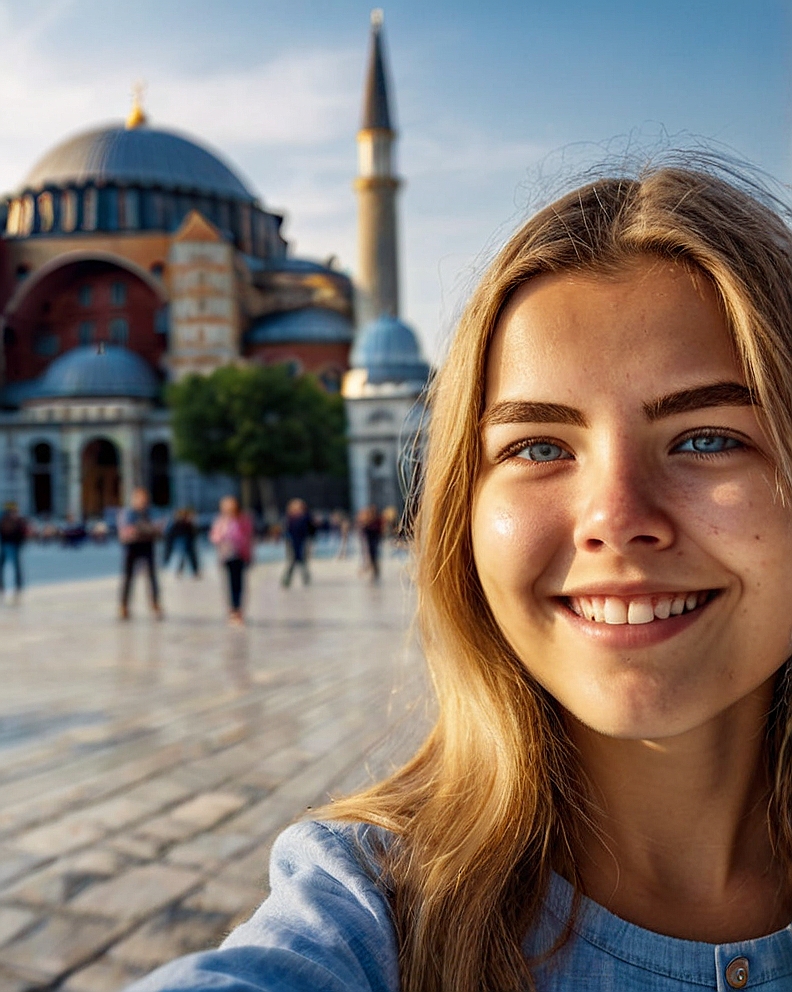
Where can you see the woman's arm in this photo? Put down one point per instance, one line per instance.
(325, 927)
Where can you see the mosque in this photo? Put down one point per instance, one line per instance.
(133, 256)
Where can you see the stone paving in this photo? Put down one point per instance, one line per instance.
(145, 767)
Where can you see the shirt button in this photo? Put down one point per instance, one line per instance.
(737, 973)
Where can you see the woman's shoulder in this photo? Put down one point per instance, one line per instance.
(325, 925)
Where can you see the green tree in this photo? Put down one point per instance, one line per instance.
(258, 422)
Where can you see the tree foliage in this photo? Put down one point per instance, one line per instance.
(257, 422)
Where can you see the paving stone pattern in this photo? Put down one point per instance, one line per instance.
(146, 767)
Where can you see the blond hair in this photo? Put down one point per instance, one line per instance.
(491, 802)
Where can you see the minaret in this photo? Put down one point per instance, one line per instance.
(376, 186)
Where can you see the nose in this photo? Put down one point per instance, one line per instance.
(620, 509)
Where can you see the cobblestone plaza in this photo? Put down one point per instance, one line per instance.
(146, 767)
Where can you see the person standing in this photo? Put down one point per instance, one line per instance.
(232, 535)
(137, 533)
(181, 539)
(13, 531)
(299, 529)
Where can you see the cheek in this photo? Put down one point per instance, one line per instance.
(514, 538)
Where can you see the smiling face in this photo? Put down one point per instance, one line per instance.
(626, 529)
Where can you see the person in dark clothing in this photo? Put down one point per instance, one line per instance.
(137, 532)
(299, 530)
(370, 523)
(13, 531)
(181, 539)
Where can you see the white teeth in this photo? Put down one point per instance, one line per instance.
(640, 611)
(662, 609)
(643, 609)
(615, 610)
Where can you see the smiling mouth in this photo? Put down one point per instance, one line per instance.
(637, 609)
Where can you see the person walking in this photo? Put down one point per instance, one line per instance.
(137, 533)
(299, 530)
(13, 532)
(181, 540)
(232, 535)
(370, 524)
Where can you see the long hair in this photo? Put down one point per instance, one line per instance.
(491, 801)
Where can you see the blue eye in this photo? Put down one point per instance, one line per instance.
(708, 444)
(543, 451)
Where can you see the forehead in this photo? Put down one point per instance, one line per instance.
(654, 326)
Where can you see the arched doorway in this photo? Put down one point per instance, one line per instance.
(41, 478)
(101, 477)
(159, 474)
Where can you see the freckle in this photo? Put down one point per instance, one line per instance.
(757, 538)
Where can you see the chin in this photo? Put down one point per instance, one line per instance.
(636, 715)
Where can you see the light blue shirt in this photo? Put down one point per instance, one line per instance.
(326, 927)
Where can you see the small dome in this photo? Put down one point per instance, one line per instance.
(136, 156)
(308, 324)
(88, 371)
(389, 352)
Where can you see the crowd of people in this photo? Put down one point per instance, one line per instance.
(233, 533)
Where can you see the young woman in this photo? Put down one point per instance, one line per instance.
(232, 535)
(604, 548)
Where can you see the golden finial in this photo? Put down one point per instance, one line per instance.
(137, 116)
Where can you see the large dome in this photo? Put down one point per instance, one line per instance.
(389, 352)
(90, 371)
(308, 324)
(137, 156)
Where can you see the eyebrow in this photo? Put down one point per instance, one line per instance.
(524, 412)
(699, 398)
(716, 394)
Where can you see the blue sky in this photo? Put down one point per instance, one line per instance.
(492, 101)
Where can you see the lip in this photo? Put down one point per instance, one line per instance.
(628, 590)
(632, 635)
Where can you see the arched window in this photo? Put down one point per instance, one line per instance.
(13, 219)
(130, 209)
(118, 294)
(46, 212)
(108, 209)
(28, 214)
(68, 210)
(41, 478)
(119, 330)
(89, 209)
(85, 295)
(86, 333)
(161, 320)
